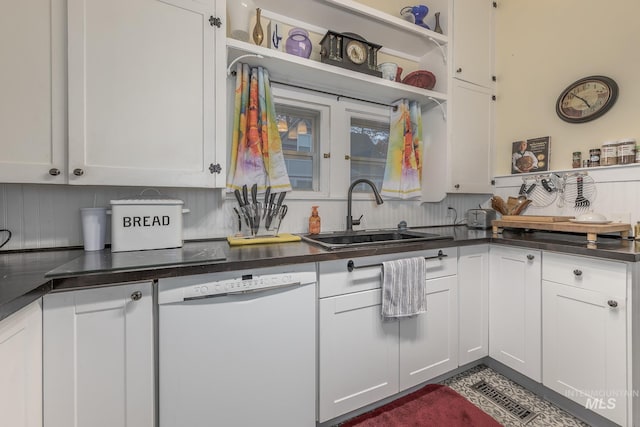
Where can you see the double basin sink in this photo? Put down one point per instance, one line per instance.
(346, 239)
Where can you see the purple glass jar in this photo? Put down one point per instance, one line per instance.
(298, 43)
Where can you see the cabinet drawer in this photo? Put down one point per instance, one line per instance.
(594, 274)
(335, 278)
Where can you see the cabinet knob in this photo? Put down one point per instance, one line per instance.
(459, 70)
(215, 168)
(136, 296)
(347, 157)
(78, 172)
(577, 272)
(612, 303)
(457, 186)
(530, 257)
(54, 171)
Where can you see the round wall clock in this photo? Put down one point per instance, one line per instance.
(587, 99)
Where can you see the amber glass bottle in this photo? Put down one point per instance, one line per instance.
(314, 221)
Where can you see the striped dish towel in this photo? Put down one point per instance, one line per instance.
(403, 287)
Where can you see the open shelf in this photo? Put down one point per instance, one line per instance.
(314, 75)
(388, 20)
(351, 16)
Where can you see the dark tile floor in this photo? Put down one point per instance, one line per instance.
(548, 415)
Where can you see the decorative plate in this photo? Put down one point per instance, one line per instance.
(594, 221)
(422, 78)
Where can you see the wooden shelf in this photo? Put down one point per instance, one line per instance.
(314, 75)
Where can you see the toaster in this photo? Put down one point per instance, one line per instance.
(480, 218)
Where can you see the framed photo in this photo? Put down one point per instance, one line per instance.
(531, 155)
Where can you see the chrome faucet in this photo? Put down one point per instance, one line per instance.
(350, 221)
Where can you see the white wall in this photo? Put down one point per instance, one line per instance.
(44, 216)
(541, 47)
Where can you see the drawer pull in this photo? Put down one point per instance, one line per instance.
(136, 296)
(612, 303)
(577, 272)
(530, 257)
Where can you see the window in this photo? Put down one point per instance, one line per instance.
(298, 129)
(369, 143)
(329, 141)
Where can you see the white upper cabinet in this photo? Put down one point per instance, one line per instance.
(32, 110)
(470, 139)
(145, 92)
(473, 41)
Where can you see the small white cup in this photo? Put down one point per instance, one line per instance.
(389, 70)
(94, 228)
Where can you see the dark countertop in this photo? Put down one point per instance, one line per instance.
(22, 276)
(26, 276)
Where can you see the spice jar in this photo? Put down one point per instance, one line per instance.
(577, 159)
(609, 153)
(626, 151)
(594, 157)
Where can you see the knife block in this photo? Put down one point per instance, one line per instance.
(268, 221)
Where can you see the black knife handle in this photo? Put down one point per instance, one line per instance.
(281, 198)
(236, 192)
(254, 193)
(267, 193)
(245, 194)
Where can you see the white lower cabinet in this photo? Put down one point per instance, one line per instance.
(364, 358)
(99, 357)
(473, 303)
(429, 342)
(584, 332)
(21, 368)
(358, 353)
(515, 309)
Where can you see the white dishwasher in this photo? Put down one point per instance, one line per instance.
(238, 349)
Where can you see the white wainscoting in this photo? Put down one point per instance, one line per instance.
(617, 192)
(46, 216)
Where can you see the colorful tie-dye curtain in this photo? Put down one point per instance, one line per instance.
(256, 152)
(403, 170)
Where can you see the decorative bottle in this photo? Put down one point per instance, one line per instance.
(438, 29)
(314, 221)
(258, 33)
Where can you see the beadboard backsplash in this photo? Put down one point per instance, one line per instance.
(47, 216)
(617, 193)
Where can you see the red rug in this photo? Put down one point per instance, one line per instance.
(434, 405)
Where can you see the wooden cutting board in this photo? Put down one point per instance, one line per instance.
(536, 218)
(591, 230)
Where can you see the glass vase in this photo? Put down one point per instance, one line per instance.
(298, 43)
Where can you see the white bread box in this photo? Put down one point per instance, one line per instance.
(146, 222)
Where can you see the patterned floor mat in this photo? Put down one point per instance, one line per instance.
(548, 415)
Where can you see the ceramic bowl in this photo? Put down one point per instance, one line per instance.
(422, 78)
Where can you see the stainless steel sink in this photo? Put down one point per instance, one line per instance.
(366, 238)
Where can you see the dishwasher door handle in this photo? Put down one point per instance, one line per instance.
(245, 291)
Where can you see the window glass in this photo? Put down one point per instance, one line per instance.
(369, 143)
(298, 129)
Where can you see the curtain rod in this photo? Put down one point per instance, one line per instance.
(337, 95)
